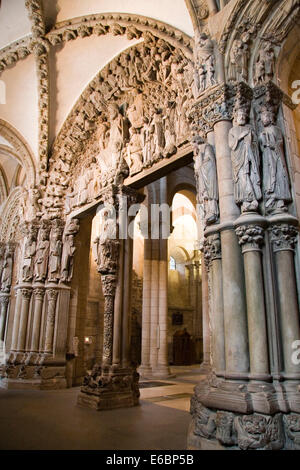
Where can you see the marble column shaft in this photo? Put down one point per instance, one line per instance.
(25, 304)
(235, 315)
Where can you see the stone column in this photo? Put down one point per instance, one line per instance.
(25, 303)
(118, 311)
(250, 232)
(163, 362)
(4, 302)
(126, 321)
(109, 288)
(283, 239)
(214, 264)
(38, 295)
(50, 323)
(16, 323)
(235, 314)
(145, 369)
(154, 328)
(205, 365)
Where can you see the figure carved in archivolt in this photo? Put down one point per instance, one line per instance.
(204, 60)
(265, 63)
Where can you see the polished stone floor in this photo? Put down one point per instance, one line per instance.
(51, 420)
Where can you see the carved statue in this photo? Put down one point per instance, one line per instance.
(239, 56)
(207, 183)
(105, 247)
(275, 175)
(265, 64)
(245, 162)
(42, 253)
(110, 156)
(134, 151)
(169, 127)
(6, 276)
(30, 207)
(28, 254)
(147, 142)
(68, 250)
(55, 254)
(158, 135)
(204, 63)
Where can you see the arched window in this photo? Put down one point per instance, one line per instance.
(172, 264)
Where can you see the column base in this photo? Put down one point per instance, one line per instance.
(145, 372)
(223, 430)
(32, 377)
(110, 388)
(162, 372)
(205, 368)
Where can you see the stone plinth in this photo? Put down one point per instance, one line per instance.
(110, 388)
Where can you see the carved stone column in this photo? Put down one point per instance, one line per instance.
(114, 383)
(25, 303)
(145, 368)
(214, 263)
(4, 302)
(206, 363)
(284, 233)
(51, 314)
(38, 295)
(109, 289)
(251, 234)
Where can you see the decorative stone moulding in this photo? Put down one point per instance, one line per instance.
(133, 26)
(216, 429)
(217, 104)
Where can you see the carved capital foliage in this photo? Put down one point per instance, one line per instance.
(39, 293)
(52, 295)
(109, 283)
(283, 237)
(212, 249)
(218, 105)
(251, 237)
(4, 300)
(26, 293)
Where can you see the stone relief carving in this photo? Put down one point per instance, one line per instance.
(204, 62)
(206, 178)
(283, 237)
(245, 162)
(68, 251)
(250, 237)
(6, 268)
(42, 253)
(106, 246)
(246, 432)
(265, 63)
(292, 430)
(29, 251)
(275, 175)
(123, 136)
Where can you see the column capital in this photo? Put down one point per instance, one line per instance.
(109, 283)
(283, 237)
(216, 105)
(250, 231)
(269, 94)
(212, 249)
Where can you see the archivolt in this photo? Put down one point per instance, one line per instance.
(10, 218)
(20, 151)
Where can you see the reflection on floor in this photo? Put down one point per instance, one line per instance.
(175, 392)
(46, 420)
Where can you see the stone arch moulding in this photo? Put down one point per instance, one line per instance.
(9, 219)
(250, 27)
(20, 150)
(119, 114)
(134, 26)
